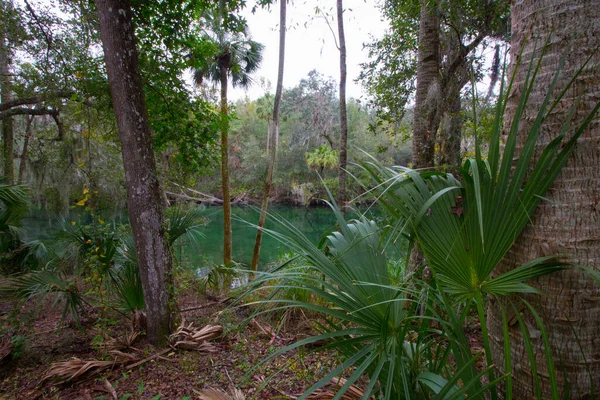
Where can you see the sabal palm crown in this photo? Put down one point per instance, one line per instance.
(237, 53)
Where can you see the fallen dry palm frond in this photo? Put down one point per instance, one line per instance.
(334, 385)
(122, 343)
(76, 368)
(187, 337)
(215, 394)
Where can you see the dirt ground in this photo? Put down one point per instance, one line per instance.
(176, 374)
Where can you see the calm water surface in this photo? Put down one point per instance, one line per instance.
(314, 223)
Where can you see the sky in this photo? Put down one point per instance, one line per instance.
(310, 43)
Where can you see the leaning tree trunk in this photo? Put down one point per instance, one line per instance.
(271, 142)
(343, 161)
(144, 199)
(227, 238)
(568, 223)
(5, 96)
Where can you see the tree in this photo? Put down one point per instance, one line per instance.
(5, 88)
(343, 163)
(239, 57)
(566, 223)
(322, 157)
(144, 197)
(459, 28)
(427, 99)
(274, 138)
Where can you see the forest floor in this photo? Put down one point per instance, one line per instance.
(175, 374)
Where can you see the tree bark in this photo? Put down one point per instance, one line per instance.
(227, 237)
(25, 152)
(272, 142)
(426, 119)
(343, 161)
(5, 97)
(144, 199)
(451, 126)
(568, 223)
(428, 87)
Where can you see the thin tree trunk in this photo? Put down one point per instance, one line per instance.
(144, 199)
(428, 90)
(568, 223)
(343, 161)
(272, 151)
(227, 238)
(25, 152)
(5, 96)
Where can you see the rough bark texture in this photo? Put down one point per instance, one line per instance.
(272, 142)
(428, 87)
(5, 97)
(569, 222)
(227, 238)
(342, 176)
(25, 152)
(144, 199)
(451, 126)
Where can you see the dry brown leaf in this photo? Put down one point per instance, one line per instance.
(215, 394)
(332, 387)
(187, 337)
(75, 368)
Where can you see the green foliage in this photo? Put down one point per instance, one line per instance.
(384, 329)
(373, 324)
(216, 277)
(390, 74)
(322, 157)
(465, 227)
(42, 283)
(16, 255)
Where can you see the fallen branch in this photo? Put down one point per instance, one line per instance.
(145, 360)
(199, 307)
(111, 389)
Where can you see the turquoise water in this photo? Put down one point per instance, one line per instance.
(314, 223)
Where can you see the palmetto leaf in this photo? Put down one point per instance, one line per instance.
(367, 319)
(42, 283)
(495, 197)
(184, 224)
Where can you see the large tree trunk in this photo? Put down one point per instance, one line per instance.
(5, 96)
(568, 223)
(227, 238)
(428, 87)
(144, 199)
(342, 176)
(272, 142)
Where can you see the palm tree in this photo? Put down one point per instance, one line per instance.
(322, 157)
(237, 57)
(568, 222)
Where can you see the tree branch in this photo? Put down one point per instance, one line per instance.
(65, 94)
(27, 111)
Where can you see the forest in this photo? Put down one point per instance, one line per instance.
(163, 236)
